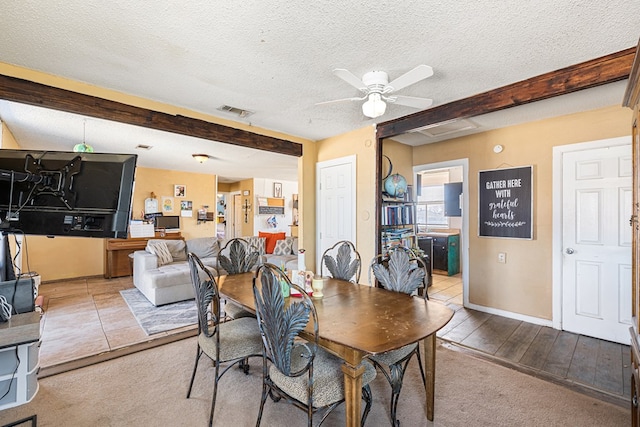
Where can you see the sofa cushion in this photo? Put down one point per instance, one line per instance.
(272, 238)
(159, 248)
(283, 247)
(178, 249)
(204, 247)
(290, 262)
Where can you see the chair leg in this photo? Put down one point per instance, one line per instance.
(396, 375)
(366, 395)
(244, 365)
(424, 379)
(215, 394)
(263, 399)
(195, 368)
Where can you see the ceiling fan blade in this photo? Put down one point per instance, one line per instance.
(410, 101)
(348, 77)
(340, 100)
(410, 77)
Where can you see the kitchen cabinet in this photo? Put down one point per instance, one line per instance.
(452, 196)
(446, 252)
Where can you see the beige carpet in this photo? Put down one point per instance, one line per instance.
(148, 388)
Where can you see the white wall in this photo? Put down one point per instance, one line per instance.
(264, 188)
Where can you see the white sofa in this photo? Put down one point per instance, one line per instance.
(171, 282)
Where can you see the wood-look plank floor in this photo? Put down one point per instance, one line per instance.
(590, 362)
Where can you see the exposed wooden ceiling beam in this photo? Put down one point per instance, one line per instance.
(596, 72)
(28, 92)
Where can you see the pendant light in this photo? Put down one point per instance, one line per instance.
(84, 147)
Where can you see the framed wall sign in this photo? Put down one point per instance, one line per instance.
(505, 203)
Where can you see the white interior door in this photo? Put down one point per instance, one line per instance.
(596, 269)
(336, 203)
(237, 215)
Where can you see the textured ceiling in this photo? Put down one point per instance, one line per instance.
(276, 58)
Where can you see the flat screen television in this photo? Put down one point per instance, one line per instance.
(58, 193)
(167, 222)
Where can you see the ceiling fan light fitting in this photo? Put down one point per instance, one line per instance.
(374, 106)
(201, 158)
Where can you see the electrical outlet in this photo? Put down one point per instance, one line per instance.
(502, 257)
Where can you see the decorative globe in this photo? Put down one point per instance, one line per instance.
(395, 185)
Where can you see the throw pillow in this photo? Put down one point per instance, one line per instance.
(283, 247)
(159, 248)
(256, 244)
(272, 238)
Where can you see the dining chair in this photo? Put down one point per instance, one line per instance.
(298, 371)
(399, 270)
(232, 342)
(236, 257)
(342, 261)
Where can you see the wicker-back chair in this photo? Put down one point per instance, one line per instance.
(232, 342)
(300, 372)
(399, 270)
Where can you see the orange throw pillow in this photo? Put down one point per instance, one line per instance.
(271, 239)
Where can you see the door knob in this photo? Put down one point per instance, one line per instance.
(569, 251)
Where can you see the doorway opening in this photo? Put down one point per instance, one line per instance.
(448, 230)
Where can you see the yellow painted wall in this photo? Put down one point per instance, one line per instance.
(8, 140)
(307, 202)
(401, 156)
(524, 284)
(224, 187)
(201, 190)
(63, 257)
(362, 143)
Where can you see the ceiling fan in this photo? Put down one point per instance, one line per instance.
(377, 89)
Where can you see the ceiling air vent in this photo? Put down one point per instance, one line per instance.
(237, 111)
(447, 128)
(143, 147)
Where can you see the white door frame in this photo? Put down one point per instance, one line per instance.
(350, 160)
(464, 238)
(557, 255)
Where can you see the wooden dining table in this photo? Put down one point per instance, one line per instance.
(355, 321)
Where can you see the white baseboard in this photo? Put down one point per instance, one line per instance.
(511, 315)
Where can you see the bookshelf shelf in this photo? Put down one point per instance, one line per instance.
(397, 222)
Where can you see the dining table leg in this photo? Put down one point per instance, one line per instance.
(430, 372)
(353, 393)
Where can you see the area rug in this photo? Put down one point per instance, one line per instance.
(159, 319)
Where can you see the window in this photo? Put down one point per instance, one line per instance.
(430, 208)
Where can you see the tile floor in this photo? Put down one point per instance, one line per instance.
(86, 317)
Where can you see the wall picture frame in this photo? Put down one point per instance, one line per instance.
(179, 190)
(277, 189)
(167, 204)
